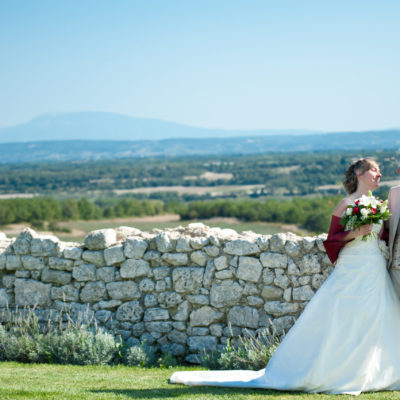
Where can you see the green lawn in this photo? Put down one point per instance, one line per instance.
(44, 381)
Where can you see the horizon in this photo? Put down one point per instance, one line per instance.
(232, 65)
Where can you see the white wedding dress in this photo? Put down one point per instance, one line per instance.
(347, 340)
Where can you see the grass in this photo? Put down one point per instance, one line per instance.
(43, 381)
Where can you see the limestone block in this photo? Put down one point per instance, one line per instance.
(263, 242)
(198, 243)
(271, 293)
(243, 316)
(161, 286)
(274, 260)
(212, 251)
(123, 232)
(202, 343)
(146, 285)
(187, 279)
(93, 292)
(255, 301)
(169, 299)
(309, 264)
(241, 247)
(179, 325)
(249, 269)
(22, 244)
(105, 274)
(100, 239)
(175, 258)
(208, 274)
(176, 336)
(214, 241)
(221, 263)
(84, 272)
(198, 331)
(65, 293)
(204, 316)
(293, 269)
(277, 242)
(164, 243)
(5, 299)
(13, 262)
(304, 280)
(135, 247)
(33, 263)
(132, 268)
(320, 242)
(303, 293)
(182, 312)
(3, 262)
(31, 293)
(198, 299)
(216, 330)
(294, 280)
(57, 277)
(308, 243)
(103, 315)
(114, 255)
(46, 245)
(199, 257)
(268, 276)
(149, 300)
(161, 272)
(138, 329)
(224, 274)
(231, 331)
(94, 257)
(287, 294)
(278, 308)
(126, 290)
(156, 314)
(158, 326)
(130, 311)
(281, 281)
(293, 248)
(228, 293)
(73, 253)
(22, 274)
(152, 255)
(234, 262)
(326, 261)
(8, 281)
(183, 245)
(317, 281)
(109, 304)
(250, 289)
(283, 324)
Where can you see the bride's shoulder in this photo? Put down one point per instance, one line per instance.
(341, 207)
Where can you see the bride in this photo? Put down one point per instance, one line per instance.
(347, 338)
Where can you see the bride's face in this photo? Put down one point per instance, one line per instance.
(371, 177)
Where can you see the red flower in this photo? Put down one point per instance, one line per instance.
(373, 211)
(356, 210)
(357, 202)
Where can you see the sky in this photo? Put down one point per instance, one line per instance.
(232, 64)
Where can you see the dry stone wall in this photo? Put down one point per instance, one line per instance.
(181, 290)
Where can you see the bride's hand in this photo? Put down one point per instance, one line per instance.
(363, 230)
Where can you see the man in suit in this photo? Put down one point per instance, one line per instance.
(394, 236)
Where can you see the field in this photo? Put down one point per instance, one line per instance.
(40, 381)
(79, 229)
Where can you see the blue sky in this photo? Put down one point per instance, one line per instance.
(298, 64)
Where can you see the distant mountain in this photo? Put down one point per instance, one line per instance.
(109, 126)
(75, 150)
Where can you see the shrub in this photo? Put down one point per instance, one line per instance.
(252, 352)
(141, 356)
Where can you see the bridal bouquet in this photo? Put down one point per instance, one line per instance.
(364, 211)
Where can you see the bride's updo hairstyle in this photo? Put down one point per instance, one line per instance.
(350, 182)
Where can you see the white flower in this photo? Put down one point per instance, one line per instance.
(349, 211)
(364, 212)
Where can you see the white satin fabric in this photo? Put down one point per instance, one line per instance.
(347, 340)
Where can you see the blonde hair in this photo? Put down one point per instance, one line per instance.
(362, 165)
